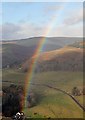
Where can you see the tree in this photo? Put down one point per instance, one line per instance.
(31, 99)
(12, 100)
(76, 91)
(83, 90)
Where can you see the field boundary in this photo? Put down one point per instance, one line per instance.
(63, 91)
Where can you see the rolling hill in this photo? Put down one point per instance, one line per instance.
(64, 59)
(14, 55)
(15, 52)
(60, 68)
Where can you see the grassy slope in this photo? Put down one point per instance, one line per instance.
(61, 41)
(60, 59)
(13, 54)
(18, 50)
(51, 103)
(12, 76)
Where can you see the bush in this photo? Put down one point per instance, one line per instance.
(31, 100)
(11, 100)
(76, 91)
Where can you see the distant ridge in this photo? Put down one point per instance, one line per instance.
(40, 37)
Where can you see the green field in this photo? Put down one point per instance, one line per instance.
(51, 103)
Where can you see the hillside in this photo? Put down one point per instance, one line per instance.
(60, 68)
(64, 59)
(15, 52)
(52, 43)
(14, 55)
(60, 41)
(78, 44)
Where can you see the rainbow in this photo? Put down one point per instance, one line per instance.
(30, 73)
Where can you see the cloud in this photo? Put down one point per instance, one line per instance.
(75, 18)
(74, 31)
(67, 31)
(51, 11)
(12, 31)
(20, 31)
(52, 8)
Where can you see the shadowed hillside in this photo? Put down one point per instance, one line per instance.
(64, 59)
(14, 55)
(15, 52)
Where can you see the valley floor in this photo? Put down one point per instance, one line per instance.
(51, 103)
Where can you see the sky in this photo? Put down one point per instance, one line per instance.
(32, 19)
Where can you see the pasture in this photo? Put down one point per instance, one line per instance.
(51, 103)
